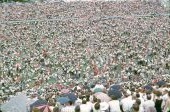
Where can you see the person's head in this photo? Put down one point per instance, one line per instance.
(113, 97)
(88, 97)
(80, 96)
(94, 99)
(138, 101)
(149, 97)
(135, 107)
(84, 101)
(70, 103)
(51, 102)
(148, 92)
(77, 108)
(97, 106)
(158, 93)
(137, 95)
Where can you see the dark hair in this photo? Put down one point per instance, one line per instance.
(94, 99)
(97, 106)
(135, 107)
(87, 97)
(138, 101)
(148, 97)
(158, 93)
(113, 97)
(77, 108)
(137, 95)
(70, 102)
(84, 102)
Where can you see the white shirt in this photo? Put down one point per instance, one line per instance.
(114, 106)
(148, 103)
(68, 109)
(78, 101)
(164, 98)
(127, 103)
(85, 108)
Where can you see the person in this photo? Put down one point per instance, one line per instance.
(77, 108)
(104, 107)
(135, 108)
(167, 105)
(114, 104)
(96, 107)
(158, 102)
(84, 107)
(148, 103)
(127, 102)
(69, 107)
(164, 97)
(138, 101)
(151, 109)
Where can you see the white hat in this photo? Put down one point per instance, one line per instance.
(104, 106)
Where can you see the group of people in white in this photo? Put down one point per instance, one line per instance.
(134, 99)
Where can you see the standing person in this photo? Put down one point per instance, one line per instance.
(104, 107)
(114, 105)
(127, 102)
(164, 97)
(84, 107)
(158, 102)
(135, 108)
(96, 107)
(148, 103)
(69, 107)
(167, 104)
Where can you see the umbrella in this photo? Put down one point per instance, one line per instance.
(16, 104)
(148, 87)
(102, 96)
(38, 103)
(116, 93)
(116, 87)
(71, 96)
(97, 90)
(63, 100)
(64, 91)
(161, 83)
(44, 108)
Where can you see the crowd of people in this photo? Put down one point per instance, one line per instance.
(97, 95)
(64, 42)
